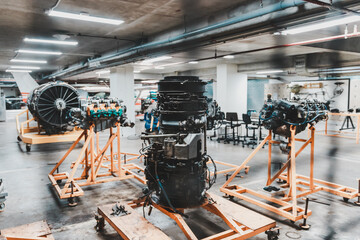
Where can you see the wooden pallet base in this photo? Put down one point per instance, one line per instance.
(33, 231)
(243, 223)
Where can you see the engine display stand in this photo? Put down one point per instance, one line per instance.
(298, 186)
(355, 134)
(35, 135)
(96, 165)
(242, 222)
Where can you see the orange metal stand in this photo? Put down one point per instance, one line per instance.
(34, 134)
(298, 185)
(99, 165)
(343, 134)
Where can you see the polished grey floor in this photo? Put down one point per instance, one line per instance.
(31, 197)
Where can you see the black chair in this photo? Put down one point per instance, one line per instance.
(249, 140)
(233, 123)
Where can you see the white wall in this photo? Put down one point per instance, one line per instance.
(231, 89)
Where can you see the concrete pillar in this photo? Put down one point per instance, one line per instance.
(122, 87)
(231, 89)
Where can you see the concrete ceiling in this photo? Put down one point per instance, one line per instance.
(27, 18)
(156, 19)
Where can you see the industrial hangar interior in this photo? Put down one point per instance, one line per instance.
(179, 119)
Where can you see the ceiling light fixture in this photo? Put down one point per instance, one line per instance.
(149, 81)
(25, 67)
(340, 71)
(28, 61)
(84, 17)
(39, 52)
(193, 62)
(103, 72)
(321, 25)
(228, 56)
(136, 71)
(159, 67)
(270, 71)
(157, 59)
(46, 41)
(13, 70)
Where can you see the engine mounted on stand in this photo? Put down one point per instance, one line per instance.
(176, 170)
(279, 115)
(49, 104)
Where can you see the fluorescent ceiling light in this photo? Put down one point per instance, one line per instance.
(270, 71)
(228, 57)
(193, 62)
(84, 17)
(322, 25)
(25, 67)
(13, 70)
(39, 52)
(159, 67)
(340, 71)
(28, 61)
(157, 59)
(36, 40)
(136, 71)
(150, 81)
(103, 72)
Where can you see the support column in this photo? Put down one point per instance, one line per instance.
(122, 87)
(231, 89)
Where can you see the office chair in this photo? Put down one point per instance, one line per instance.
(249, 140)
(232, 118)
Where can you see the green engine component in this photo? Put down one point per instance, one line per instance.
(102, 113)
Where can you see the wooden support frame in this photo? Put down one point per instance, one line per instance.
(32, 231)
(34, 134)
(242, 222)
(298, 186)
(343, 134)
(94, 165)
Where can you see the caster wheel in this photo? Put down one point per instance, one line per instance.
(273, 233)
(2, 206)
(345, 199)
(28, 147)
(58, 181)
(293, 222)
(19, 138)
(100, 223)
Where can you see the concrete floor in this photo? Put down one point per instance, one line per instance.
(31, 197)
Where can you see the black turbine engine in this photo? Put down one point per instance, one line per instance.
(49, 104)
(279, 115)
(175, 160)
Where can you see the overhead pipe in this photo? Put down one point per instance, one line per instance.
(332, 7)
(282, 5)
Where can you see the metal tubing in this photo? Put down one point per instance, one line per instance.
(332, 7)
(282, 5)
